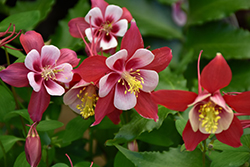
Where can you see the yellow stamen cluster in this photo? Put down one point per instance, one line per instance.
(107, 27)
(50, 73)
(209, 115)
(88, 99)
(134, 81)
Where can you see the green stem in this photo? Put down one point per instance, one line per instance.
(91, 143)
(4, 154)
(204, 153)
(15, 95)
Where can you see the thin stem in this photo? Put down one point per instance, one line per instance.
(69, 160)
(204, 153)
(4, 154)
(91, 143)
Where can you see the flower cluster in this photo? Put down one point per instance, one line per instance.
(108, 85)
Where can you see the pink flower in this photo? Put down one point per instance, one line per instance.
(102, 24)
(210, 113)
(45, 67)
(8, 39)
(127, 77)
(33, 147)
(179, 16)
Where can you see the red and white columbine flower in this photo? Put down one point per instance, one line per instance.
(102, 24)
(44, 68)
(126, 78)
(209, 113)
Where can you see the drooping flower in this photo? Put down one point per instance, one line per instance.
(209, 113)
(33, 146)
(9, 38)
(179, 16)
(102, 24)
(45, 67)
(127, 77)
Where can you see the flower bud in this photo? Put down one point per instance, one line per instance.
(133, 146)
(33, 147)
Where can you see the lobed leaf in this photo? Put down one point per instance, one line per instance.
(7, 102)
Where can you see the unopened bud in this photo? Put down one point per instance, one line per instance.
(33, 147)
(133, 146)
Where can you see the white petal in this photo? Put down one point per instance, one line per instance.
(140, 58)
(49, 55)
(118, 56)
(113, 13)
(200, 97)
(53, 88)
(150, 79)
(194, 117)
(107, 82)
(108, 44)
(122, 25)
(124, 101)
(33, 60)
(35, 83)
(71, 96)
(65, 73)
(94, 16)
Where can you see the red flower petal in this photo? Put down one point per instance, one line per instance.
(232, 135)
(146, 107)
(104, 106)
(15, 75)
(174, 99)
(32, 40)
(191, 138)
(39, 102)
(68, 56)
(240, 103)
(132, 40)
(163, 56)
(100, 4)
(216, 75)
(81, 23)
(126, 15)
(92, 68)
(115, 116)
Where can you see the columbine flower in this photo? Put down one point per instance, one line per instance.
(82, 98)
(9, 38)
(33, 147)
(45, 67)
(209, 114)
(102, 24)
(127, 77)
(179, 16)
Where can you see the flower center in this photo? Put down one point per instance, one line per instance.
(107, 27)
(209, 116)
(88, 98)
(50, 73)
(134, 81)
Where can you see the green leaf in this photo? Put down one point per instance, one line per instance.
(21, 161)
(8, 141)
(23, 113)
(60, 165)
(170, 80)
(138, 125)
(216, 37)
(7, 102)
(62, 37)
(152, 18)
(43, 6)
(47, 125)
(75, 129)
(166, 135)
(230, 158)
(173, 158)
(122, 161)
(180, 125)
(202, 11)
(24, 20)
